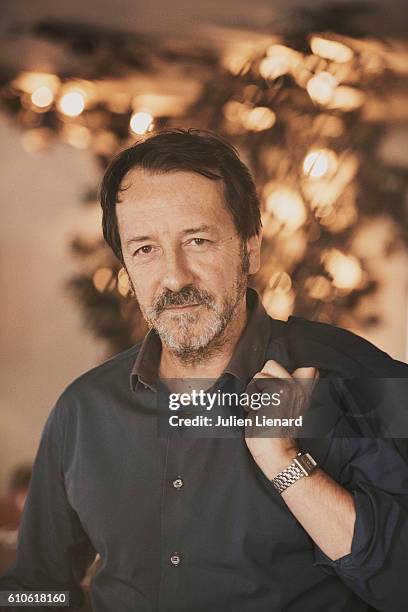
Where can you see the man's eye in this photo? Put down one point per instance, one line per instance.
(144, 250)
(198, 241)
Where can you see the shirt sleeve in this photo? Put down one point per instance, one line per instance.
(53, 550)
(376, 568)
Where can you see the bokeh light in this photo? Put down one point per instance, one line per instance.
(287, 205)
(104, 280)
(280, 280)
(252, 119)
(258, 119)
(345, 270)
(42, 97)
(331, 49)
(278, 304)
(319, 163)
(273, 67)
(279, 60)
(237, 62)
(346, 98)
(141, 122)
(321, 87)
(72, 103)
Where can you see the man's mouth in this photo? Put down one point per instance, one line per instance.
(182, 308)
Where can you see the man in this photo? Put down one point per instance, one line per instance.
(210, 522)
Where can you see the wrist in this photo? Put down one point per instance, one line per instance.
(278, 459)
(302, 465)
(282, 463)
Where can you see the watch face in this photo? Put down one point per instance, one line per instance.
(306, 463)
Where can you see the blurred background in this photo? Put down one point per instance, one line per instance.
(313, 94)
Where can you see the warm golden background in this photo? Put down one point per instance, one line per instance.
(313, 94)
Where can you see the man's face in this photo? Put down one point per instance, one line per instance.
(186, 262)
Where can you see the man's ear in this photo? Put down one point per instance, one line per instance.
(253, 245)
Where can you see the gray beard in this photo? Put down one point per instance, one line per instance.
(201, 346)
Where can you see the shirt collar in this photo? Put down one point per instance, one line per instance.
(248, 358)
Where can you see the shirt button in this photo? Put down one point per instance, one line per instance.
(175, 559)
(178, 483)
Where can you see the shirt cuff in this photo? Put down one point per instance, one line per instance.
(362, 536)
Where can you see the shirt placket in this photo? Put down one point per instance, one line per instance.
(174, 554)
(178, 483)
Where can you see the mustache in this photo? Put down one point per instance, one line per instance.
(187, 296)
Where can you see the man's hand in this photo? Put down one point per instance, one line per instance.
(324, 508)
(274, 448)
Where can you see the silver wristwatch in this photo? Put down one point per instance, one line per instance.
(302, 465)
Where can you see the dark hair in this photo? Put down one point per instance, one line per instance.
(190, 150)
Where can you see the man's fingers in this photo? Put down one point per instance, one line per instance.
(309, 373)
(273, 369)
(276, 370)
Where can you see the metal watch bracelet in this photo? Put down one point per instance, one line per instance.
(302, 465)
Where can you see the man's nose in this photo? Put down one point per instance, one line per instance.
(176, 272)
